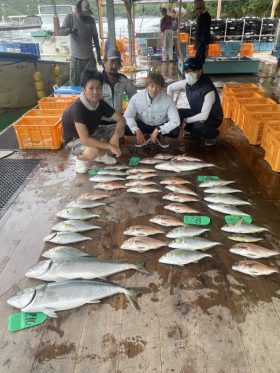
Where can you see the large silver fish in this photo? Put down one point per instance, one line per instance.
(167, 166)
(163, 156)
(137, 170)
(227, 209)
(60, 252)
(185, 157)
(63, 238)
(166, 221)
(142, 244)
(252, 251)
(105, 178)
(221, 190)
(253, 268)
(215, 183)
(175, 197)
(244, 238)
(85, 204)
(243, 228)
(181, 189)
(136, 183)
(179, 208)
(76, 213)
(181, 257)
(143, 190)
(74, 226)
(86, 268)
(141, 176)
(142, 231)
(186, 231)
(65, 295)
(150, 161)
(192, 243)
(226, 199)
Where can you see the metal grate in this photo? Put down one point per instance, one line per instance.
(8, 139)
(13, 177)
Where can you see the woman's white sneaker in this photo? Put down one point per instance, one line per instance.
(81, 166)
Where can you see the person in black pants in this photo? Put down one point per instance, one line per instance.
(202, 35)
(205, 113)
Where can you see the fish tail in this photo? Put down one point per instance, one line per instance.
(141, 268)
(132, 294)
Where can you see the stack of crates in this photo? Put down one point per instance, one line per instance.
(214, 50)
(247, 50)
(270, 142)
(41, 127)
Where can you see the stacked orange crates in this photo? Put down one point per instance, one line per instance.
(271, 144)
(247, 50)
(42, 128)
(214, 50)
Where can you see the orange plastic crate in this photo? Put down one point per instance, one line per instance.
(44, 113)
(238, 103)
(247, 49)
(246, 112)
(228, 86)
(272, 154)
(191, 50)
(56, 102)
(38, 132)
(214, 50)
(269, 128)
(184, 37)
(227, 100)
(253, 128)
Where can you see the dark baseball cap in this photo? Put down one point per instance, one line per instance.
(84, 8)
(113, 54)
(192, 63)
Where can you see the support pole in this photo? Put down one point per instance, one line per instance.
(56, 25)
(100, 24)
(178, 32)
(274, 6)
(219, 8)
(111, 24)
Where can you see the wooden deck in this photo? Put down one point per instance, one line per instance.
(203, 318)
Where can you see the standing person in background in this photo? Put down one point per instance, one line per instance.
(202, 36)
(166, 36)
(115, 85)
(174, 28)
(82, 30)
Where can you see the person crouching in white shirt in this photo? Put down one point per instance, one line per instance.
(151, 114)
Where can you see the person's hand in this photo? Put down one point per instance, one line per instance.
(184, 123)
(99, 61)
(74, 31)
(140, 138)
(115, 150)
(154, 135)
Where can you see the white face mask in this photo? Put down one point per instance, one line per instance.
(191, 78)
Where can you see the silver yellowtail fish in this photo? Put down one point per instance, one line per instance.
(166, 221)
(181, 257)
(227, 209)
(105, 178)
(181, 189)
(163, 156)
(174, 181)
(110, 185)
(179, 208)
(243, 228)
(186, 231)
(137, 170)
(142, 244)
(167, 166)
(76, 213)
(93, 196)
(244, 238)
(63, 238)
(252, 251)
(215, 183)
(74, 226)
(175, 197)
(191, 165)
(226, 199)
(60, 252)
(85, 204)
(142, 231)
(141, 176)
(85, 268)
(111, 172)
(65, 295)
(185, 157)
(192, 243)
(136, 183)
(253, 268)
(143, 190)
(221, 190)
(150, 160)
(116, 167)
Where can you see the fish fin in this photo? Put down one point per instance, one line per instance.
(50, 312)
(132, 294)
(141, 268)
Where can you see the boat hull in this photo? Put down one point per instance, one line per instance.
(17, 89)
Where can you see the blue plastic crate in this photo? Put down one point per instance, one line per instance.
(68, 90)
(10, 47)
(267, 46)
(31, 48)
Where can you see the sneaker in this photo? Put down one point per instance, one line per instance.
(107, 159)
(210, 142)
(81, 166)
(137, 145)
(161, 141)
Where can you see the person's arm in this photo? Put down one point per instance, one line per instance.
(67, 27)
(96, 42)
(176, 86)
(173, 119)
(209, 101)
(130, 115)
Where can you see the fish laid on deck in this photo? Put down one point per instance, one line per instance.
(143, 190)
(253, 268)
(93, 196)
(179, 208)
(74, 226)
(175, 181)
(166, 221)
(63, 252)
(186, 231)
(135, 183)
(226, 199)
(221, 190)
(253, 251)
(142, 244)
(243, 228)
(175, 197)
(181, 189)
(64, 238)
(85, 204)
(142, 230)
(182, 257)
(192, 243)
(215, 183)
(76, 213)
(244, 238)
(141, 176)
(227, 209)
(112, 185)
(105, 178)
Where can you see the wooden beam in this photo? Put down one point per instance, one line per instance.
(274, 6)
(100, 24)
(219, 8)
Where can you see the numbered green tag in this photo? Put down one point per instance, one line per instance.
(23, 320)
(134, 161)
(197, 220)
(94, 171)
(232, 219)
(206, 178)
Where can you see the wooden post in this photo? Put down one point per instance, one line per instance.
(111, 24)
(274, 6)
(56, 25)
(178, 32)
(100, 24)
(219, 8)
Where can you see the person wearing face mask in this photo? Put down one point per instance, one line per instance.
(202, 35)
(151, 114)
(115, 84)
(204, 113)
(81, 27)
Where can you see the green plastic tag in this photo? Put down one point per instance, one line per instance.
(134, 161)
(197, 220)
(231, 219)
(94, 171)
(23, 320)
(206, 178)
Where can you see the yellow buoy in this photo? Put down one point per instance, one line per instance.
(41, 94)
(39, 85)
(37, 76)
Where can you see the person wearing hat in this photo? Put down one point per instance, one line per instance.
(151, 114)
(115, 84)
(202, 34)
(166, 36)
(81, 27)
(205, 113)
